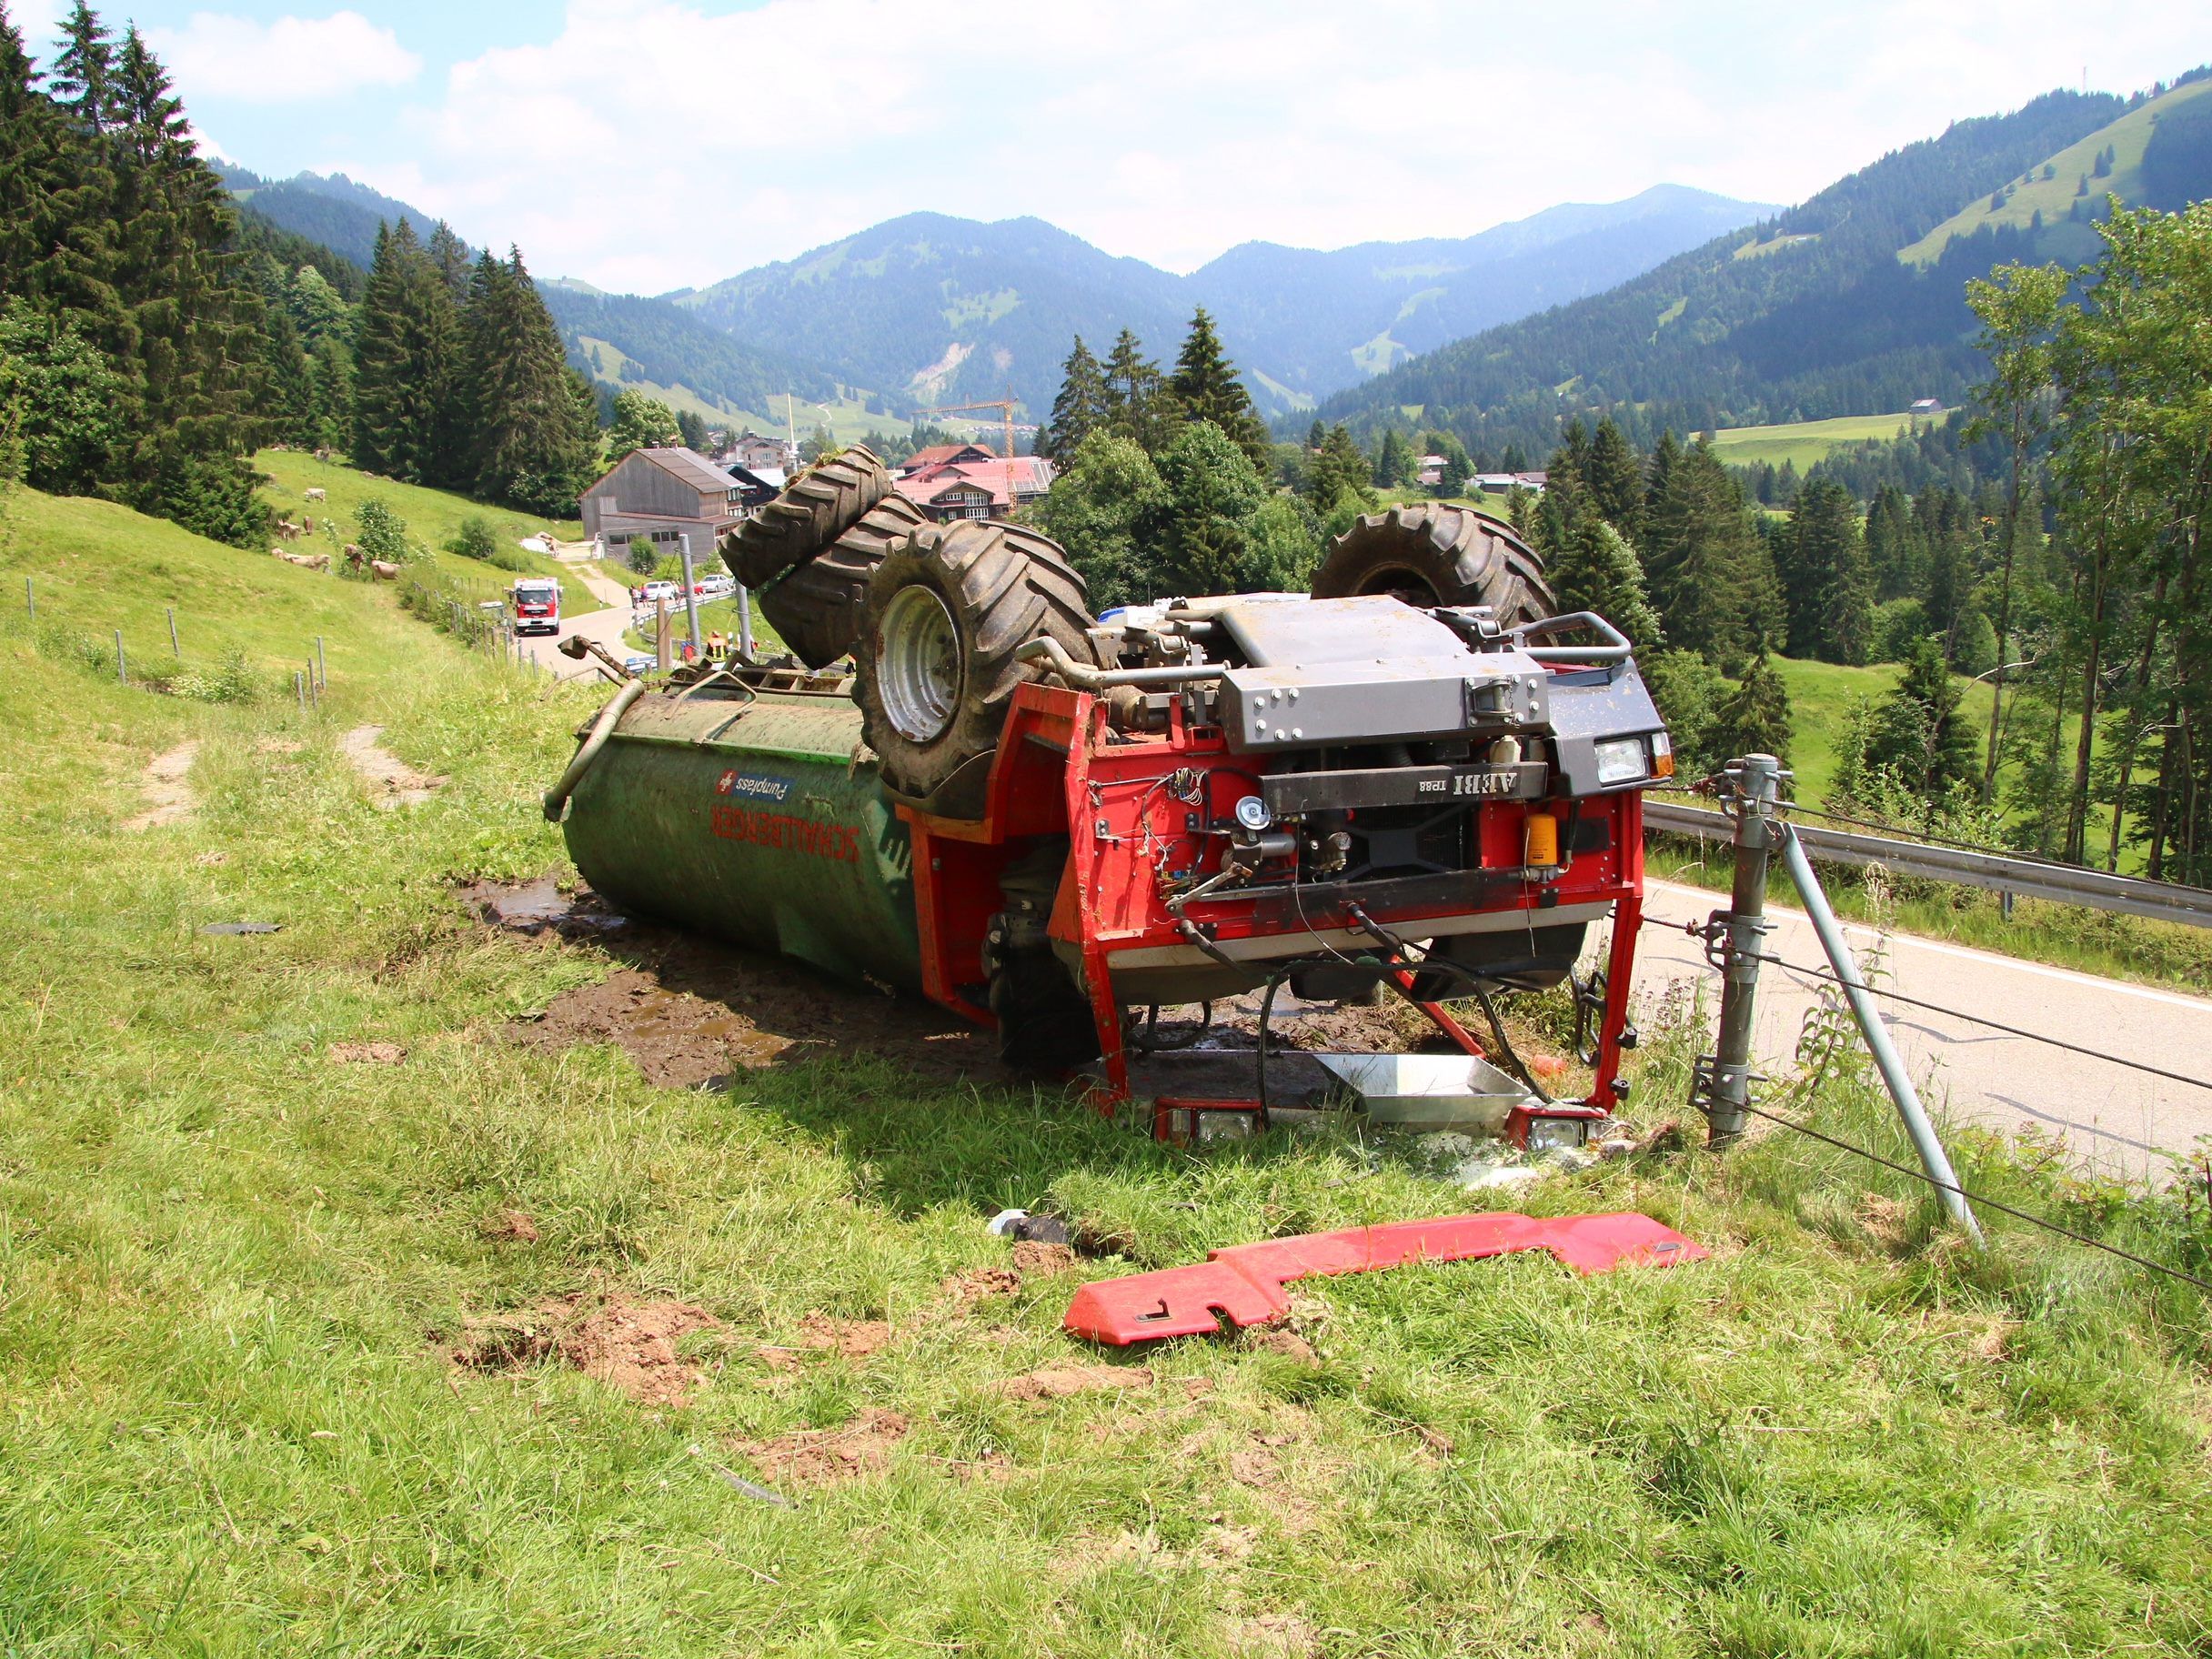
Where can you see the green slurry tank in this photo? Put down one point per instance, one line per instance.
(738, 812)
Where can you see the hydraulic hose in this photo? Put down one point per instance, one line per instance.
(557, 798)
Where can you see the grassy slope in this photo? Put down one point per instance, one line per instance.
(433, 516)
(2053, 196)
(1804, 442)
(232, 1268)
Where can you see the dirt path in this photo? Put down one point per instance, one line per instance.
(167, 793)
(394, 782)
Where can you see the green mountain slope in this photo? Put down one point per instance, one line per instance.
(1824, 320)
(2047, 195)
(934, 309)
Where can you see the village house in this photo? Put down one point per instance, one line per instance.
(753, 452)
(665, 495)
(943, 455)
(985, 487)
(1504, 482)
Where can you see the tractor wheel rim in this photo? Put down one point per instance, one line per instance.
(919, 664)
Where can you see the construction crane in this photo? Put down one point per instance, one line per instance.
(1005, 406)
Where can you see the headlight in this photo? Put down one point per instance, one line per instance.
(1621, 761)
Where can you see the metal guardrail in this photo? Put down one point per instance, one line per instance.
(1995, 871)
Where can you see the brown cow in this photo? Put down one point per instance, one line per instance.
(386, 570)
(313, 495)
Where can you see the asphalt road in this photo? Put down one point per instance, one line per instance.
(2112, 1119)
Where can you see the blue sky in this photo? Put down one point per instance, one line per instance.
(648, 143)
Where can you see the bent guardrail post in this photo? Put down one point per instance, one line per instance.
(1933, 1158)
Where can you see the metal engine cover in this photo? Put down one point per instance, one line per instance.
(1367, 669)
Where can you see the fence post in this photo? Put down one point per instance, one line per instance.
(122, 672)
(30, 599)
(1724, 1082)
(176, 649)
(322, 663)
(300, 692)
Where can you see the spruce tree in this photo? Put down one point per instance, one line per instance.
(526, 449)
(1390, 460)
(1616, 480)
(1825, 581)
(1338, 478)
(405, 364)
(83, 75)
(1596, 568)
(1204, 387)
(1083, 406)
(449, 254)
(1134, 395)
(1754, 719)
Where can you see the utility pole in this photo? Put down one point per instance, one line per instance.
(699, 650)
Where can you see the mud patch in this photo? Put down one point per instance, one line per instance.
(391, 781)
(512, 1224)
(689, 1012)
(1288, 1343)
(629, 1346)
(367, 1054)
(1059, 1381)
(533, 908)
(821, 1457)
(1035, 1259)
(169, 795)
(963, 1291)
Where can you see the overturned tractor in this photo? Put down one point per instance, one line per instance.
(1415, 780)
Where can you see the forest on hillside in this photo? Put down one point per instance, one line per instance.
(1812, 315)
(152, 337)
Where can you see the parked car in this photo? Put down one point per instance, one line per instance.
(637, 662)
(714, 587)
(657, 591)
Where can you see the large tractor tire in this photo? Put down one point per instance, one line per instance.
(947, 609)
(820, 607)
(814, 510)
(1438, 556)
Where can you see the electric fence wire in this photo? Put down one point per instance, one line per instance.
(1693, 928)
(1981, 1199)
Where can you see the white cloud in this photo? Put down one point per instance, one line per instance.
(651, 144)
(290, 61)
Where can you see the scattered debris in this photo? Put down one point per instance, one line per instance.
(821, 1457)
(367, 1054)
(748, 1487)
(1244, 1283)
(397, 783)
(1003, 1223)
(169, 798)
(226, 928)
(1887, 1221)
(629, 1346)
(1059, 1381)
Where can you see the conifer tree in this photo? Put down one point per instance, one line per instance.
(1134, 395)
(1338, 477)
(1082, 408)
(1594, 568)
(1754, 719)
(449, 254)
(1710, 575)
(1825, 582)
(83, 75)
(525, 446)
(1204, 387)
(1390, 460)
(1616, 480)
(405, 364)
